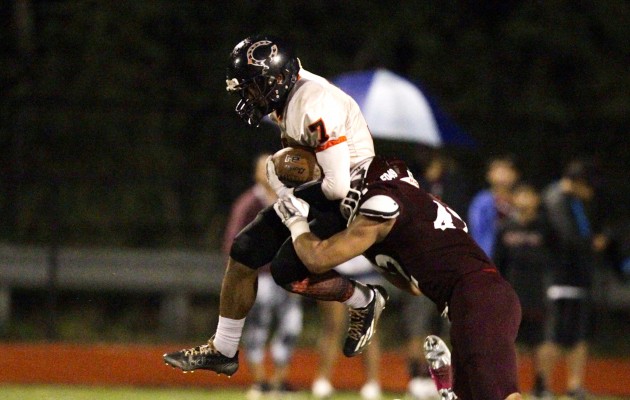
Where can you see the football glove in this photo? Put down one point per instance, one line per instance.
(277, 186)
(293, 213)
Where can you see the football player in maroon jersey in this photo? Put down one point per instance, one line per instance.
(422, 246)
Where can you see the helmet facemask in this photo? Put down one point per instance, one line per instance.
(259, 97)
(262, 71)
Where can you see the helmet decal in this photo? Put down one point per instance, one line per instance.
(273, 51)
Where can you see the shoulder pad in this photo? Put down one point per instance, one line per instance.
(380, 206)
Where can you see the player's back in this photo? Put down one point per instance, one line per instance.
(319, 114)
(429, 241)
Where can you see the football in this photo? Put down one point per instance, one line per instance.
(295, 166)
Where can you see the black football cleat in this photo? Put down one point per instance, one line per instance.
(203, 357)
(363, 322)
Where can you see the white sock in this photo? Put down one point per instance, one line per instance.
(361, 296)
(228, 335)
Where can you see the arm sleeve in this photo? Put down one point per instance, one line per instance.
(324, 124)
(335, 164)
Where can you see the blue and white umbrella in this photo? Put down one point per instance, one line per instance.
(396, 108)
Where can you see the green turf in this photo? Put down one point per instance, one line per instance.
(39, 392)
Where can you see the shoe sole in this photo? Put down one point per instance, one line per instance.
(229, 371)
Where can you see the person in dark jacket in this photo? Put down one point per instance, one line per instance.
(570, 209)
(523, 255)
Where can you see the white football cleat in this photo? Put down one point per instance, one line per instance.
(438, 356)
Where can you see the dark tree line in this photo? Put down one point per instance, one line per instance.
(116, 128)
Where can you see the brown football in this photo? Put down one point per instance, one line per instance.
(295, 166)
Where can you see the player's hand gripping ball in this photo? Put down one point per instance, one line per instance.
(295, 166)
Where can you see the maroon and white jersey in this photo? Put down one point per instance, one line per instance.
(429, 244)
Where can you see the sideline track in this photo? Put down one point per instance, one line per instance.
(142, 365)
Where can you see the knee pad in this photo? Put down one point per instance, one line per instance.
(259, 241)
(286, 266)
(249, 251)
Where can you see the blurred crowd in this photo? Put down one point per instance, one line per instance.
(547, 241)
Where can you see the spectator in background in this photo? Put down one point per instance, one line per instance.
(490, 206)
(272, 302)
(523, 255)
(569, 203)
(334, 320)
(441, 177)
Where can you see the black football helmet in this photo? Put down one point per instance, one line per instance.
(261, 70)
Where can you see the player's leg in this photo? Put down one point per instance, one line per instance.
(361, 269)
(256, 333)
(417, 317)
(485, 316)
(440, 363)
(252, 248)
(365, 302)
(238, 293)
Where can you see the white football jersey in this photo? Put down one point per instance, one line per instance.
(321, 116)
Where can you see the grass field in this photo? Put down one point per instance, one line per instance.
(38, 392)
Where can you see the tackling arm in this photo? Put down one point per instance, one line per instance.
(322, 255)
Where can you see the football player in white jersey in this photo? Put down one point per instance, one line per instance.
(266, 75)
(321, 116)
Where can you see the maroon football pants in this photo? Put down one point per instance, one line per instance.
(485, 314)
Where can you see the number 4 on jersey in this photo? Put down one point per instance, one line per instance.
(444, 219)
